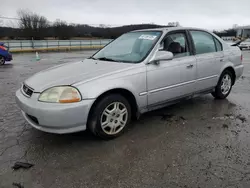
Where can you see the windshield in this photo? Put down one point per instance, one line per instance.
(131, 47)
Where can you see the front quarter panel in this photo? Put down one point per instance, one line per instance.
(133, 80)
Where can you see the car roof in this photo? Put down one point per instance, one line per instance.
(170, 29)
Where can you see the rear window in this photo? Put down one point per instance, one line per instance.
(203, 42)
(218, 45)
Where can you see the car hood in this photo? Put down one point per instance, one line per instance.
(71, 73)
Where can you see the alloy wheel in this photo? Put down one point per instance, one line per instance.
(226, 84)
(114, 118)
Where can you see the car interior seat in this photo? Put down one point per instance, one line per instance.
(175, 47)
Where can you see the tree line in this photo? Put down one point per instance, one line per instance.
(226, 33)
(33, 26)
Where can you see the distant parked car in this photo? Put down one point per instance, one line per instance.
(5, 55)
(138, 72)
(245, 44)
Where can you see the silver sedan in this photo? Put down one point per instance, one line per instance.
(245, 44)
(136, 73)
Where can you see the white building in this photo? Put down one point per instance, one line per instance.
(243, 31)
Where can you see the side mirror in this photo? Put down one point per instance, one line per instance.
(162, 55)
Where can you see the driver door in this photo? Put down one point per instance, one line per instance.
(172, 79)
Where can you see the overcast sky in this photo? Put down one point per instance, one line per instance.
(209, 14)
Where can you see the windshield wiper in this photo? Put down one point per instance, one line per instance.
(105, 59)
(92, 58)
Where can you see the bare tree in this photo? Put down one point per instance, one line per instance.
(32, 24)
(63, 30)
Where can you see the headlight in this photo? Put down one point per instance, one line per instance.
(60, 94)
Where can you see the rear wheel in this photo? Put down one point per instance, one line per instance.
(110, 116)
(2, 60)
(224, 86)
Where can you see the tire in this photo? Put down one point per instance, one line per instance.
(221, 92)
(110, 116)
(2, 60)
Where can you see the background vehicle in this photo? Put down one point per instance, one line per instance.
(136, 73)
(5, 55)
(245, 44)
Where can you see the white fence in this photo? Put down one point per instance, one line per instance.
(46, 44)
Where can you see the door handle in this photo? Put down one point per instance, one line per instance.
(190, 66)
(221, 60)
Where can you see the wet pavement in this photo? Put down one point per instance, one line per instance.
(197, 143)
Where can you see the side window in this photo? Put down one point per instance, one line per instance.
(177, 44)
(203, 42)
(218, 45)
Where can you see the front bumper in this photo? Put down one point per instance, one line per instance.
(8, 57)
(54, 117)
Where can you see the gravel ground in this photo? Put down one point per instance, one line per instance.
(197, 143)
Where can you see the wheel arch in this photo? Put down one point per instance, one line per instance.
(231, 69)
(1, 55)
(125, 93)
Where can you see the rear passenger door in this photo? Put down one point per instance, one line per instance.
(219, 56)
(206, 55)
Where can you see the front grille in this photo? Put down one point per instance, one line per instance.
(32, 118)
(27, 90)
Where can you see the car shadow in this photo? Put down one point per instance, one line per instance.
(193, 111)
(5, 66)
(83, 136)
(184, 109)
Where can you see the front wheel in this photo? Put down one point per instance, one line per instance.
(2, 60)
(224, 86)
(110, 116)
